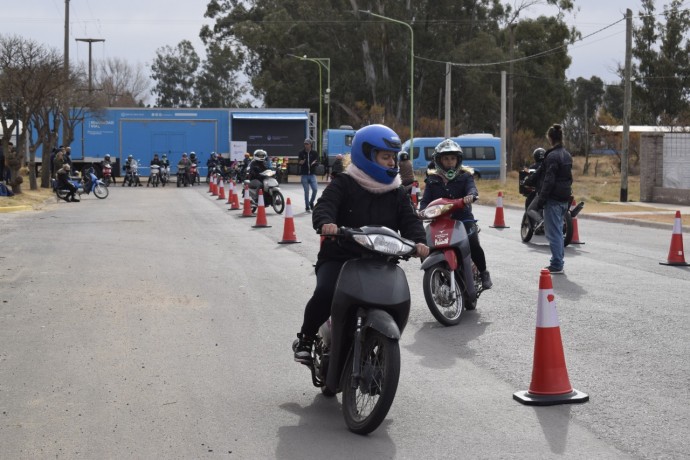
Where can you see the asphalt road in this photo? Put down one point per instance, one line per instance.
(158, 324)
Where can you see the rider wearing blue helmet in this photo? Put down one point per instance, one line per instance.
(368, 192)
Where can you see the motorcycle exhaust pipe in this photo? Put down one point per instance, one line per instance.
(576, 210)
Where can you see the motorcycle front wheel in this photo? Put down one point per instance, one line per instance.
(101, 191)
(567, 229)
(278, 202)
(446, 303)
(526, 230)
(367, 400)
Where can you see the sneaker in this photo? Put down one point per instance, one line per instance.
(554, 271)
(486, 280)
(308, 209)
(303, 349)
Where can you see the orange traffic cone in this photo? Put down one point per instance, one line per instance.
(221, 189)
(247, 206)
(675, 253)
(214, 188)
(261, 212)
(235, 203)
(499, 221)
(289, 235)
(550, 384)
(576, 231)
(231, 191)
(413, 194)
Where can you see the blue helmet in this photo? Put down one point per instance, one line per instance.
(364, 145)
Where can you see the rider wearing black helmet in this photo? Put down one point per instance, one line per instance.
(451, 180)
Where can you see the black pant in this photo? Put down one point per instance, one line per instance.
(318, 308)
(475, 248)
(71, 190)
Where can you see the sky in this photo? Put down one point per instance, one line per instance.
(135, 29)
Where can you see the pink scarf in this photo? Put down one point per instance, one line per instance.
(368, 183)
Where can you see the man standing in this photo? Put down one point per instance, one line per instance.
(554, 195)
(308, 160)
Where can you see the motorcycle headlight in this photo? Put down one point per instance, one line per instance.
(384, 244)
(432, 212)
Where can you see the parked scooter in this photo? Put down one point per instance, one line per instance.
(165, 175)
(182, 176)
(451, 280)
(357, 351)
(271, 190)
(132, 174)
(194, 177)
(533, 221)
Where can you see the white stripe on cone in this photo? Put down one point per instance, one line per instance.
(547, 316)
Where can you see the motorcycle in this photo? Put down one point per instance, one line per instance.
(194, 177)
(131, 174)
(165, 175)
(534, 225)
(85, 184)
(182, 176)
(357, 350)
(107, 174)
(271, 190)
(154, 178)
(452, 283)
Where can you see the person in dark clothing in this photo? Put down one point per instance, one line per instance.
(535, 180)
(367, 193)
(256, 167)
(63, 183)
(337, 166)
(450, 180)
(555, 194)
(308, 160)
(155, 161)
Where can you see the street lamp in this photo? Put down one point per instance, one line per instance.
(411, 72)
(327, 66)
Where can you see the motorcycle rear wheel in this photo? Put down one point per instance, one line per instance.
(101, 191)
(446, 305)
(366, 405)
(278, 202)
(526, 230)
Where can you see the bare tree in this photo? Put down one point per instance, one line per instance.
(120, 84)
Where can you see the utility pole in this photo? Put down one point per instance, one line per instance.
(502, 170)
(66, 45)
(627, 96)
(90, 41)
(511, 127)
(446, 125)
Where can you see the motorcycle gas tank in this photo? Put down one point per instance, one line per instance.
(444, 233)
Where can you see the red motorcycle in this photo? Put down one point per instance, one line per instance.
(451, 280)
(194, 177)
(107, 174)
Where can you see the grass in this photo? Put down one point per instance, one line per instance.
(33, 198)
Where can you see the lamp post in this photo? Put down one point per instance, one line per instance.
(411, 72)
(327, 66)
(90, 41)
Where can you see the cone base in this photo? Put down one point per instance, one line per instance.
(675, 264)
(577, 242)
(531, 399)
(499, 226)
(234, 209)
(288, 242)
(260, 226)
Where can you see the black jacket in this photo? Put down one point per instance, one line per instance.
(311, 161)
(460, 186)
(345, 203)
(256, 167)
(558, 176)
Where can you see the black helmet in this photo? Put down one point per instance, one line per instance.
(404, 156)
(538, 155)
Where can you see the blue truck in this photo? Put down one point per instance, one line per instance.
(337, 142)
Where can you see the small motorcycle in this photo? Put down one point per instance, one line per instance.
(131, 174)
(87, 183)
(452, 283)
(535, 225)
(357, 351)
(165, 175)
(182, 176)
(107, 174)
(194, 177)
(155, 176)
(271, 190)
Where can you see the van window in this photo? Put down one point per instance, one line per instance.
(479, 153)
(348, 140)
(429, 153)
(415, 153)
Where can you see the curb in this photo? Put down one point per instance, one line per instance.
(15, 208)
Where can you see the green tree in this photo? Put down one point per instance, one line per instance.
(174, 70)
(217, 84)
